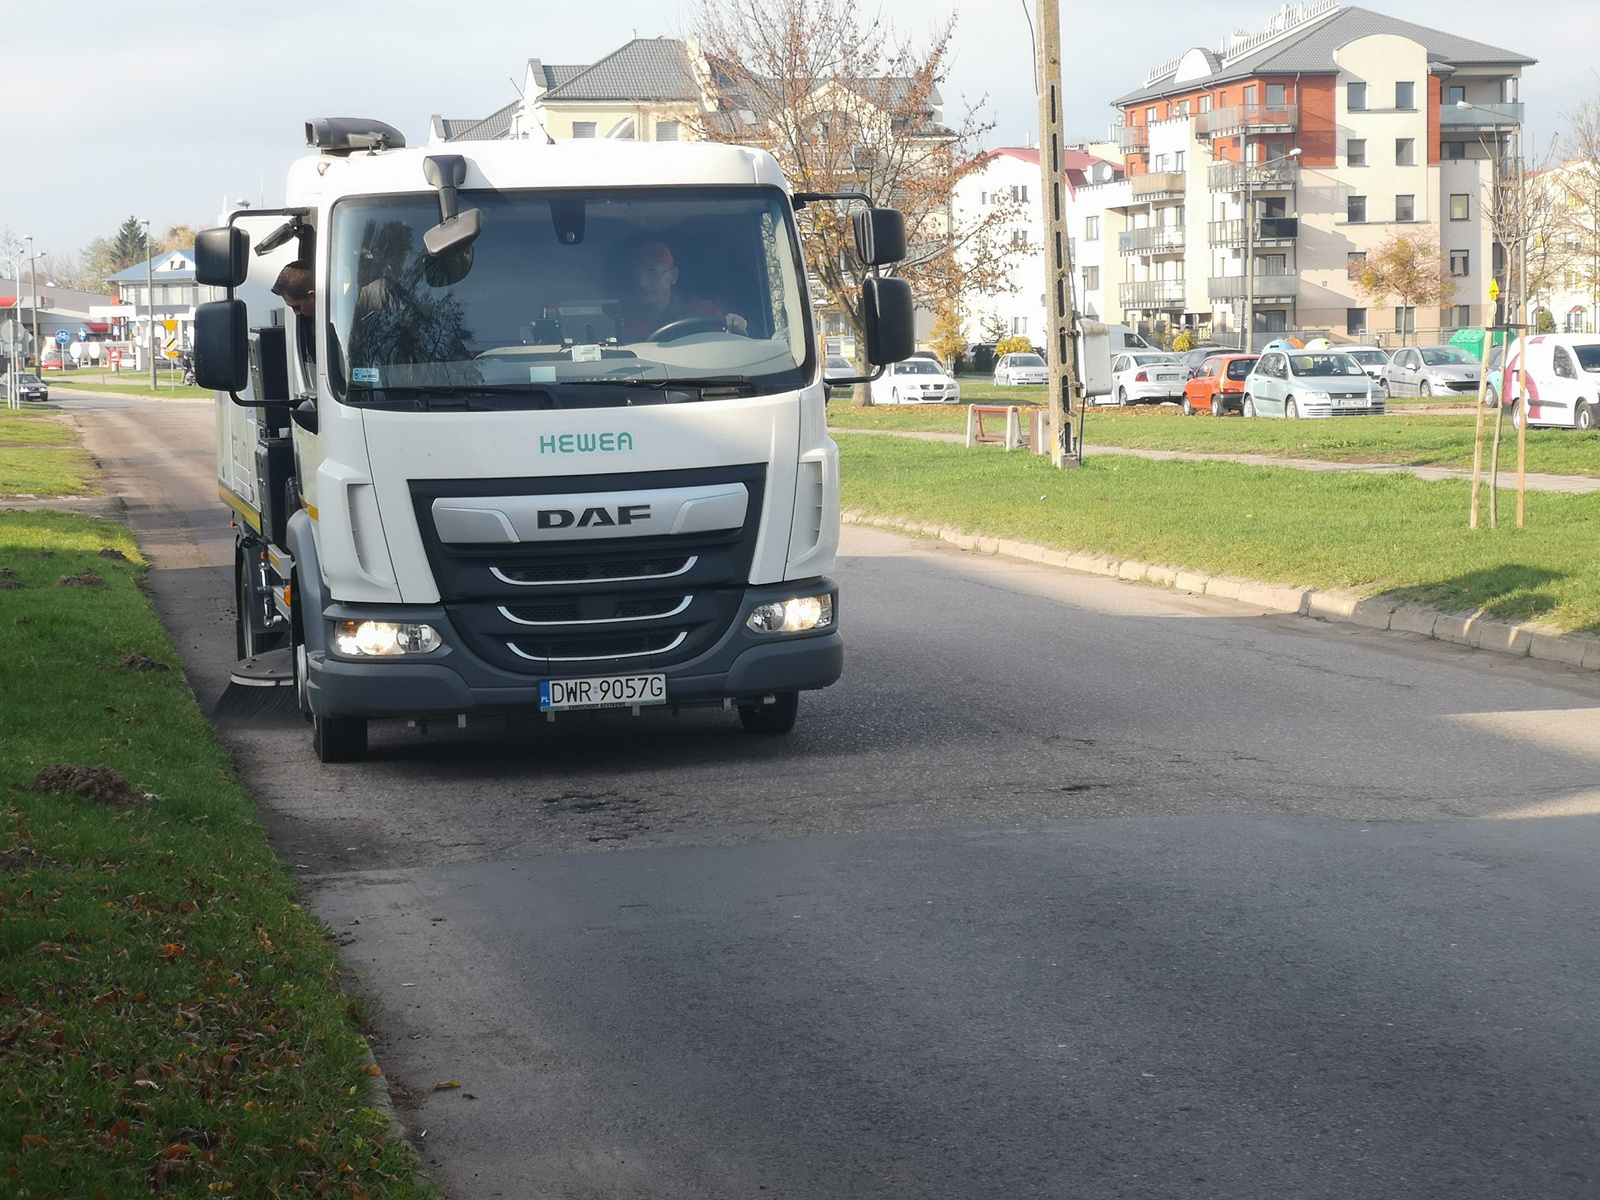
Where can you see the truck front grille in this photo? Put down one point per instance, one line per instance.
(539, 608)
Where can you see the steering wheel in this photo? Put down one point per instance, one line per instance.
(673, 330)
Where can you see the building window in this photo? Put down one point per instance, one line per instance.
(1355, 210)
(1405, 320)
(583, 129)
(1091, 279)
(1149, 116)
(1355, 152)
(1405, 152)
(1455, 149)
(1508, 90)
(1019, 237)
(1276, 95)
(1460, 207)
(1458, 316)
(1249, 95)
(1091, 229)
(1272, 320)
(1161, 163)
(666, 131)
(1460, 262)
(1355, 322)
(1181, 108)
(1019, 193)
(1205, 102)
(1405, 95)
(1180, 160)
(1355, 97)
(1405, 208)
(1019, 326)
(1455, 93)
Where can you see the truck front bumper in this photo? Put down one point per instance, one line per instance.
(453, 681)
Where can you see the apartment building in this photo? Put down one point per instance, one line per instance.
(1009, 177)
(1259, 175)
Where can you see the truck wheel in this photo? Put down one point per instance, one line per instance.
(241, 609)
(774, 718)
(339, 739)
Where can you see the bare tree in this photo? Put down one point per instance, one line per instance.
(1408, 269)
(1578, 186)
(846, 104)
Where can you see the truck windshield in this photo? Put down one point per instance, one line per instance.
(568, 298)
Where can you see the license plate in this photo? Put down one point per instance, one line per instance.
(1352, 402)
(604, 691)
(1166, 378)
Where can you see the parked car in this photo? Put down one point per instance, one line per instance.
(1305, 383)
(1430, 371)
(1491, 393)
(1013, 369)
(1217, 385)
(915, 381)
(29, 387)
(54, 360)
(1193, 358)
(1373, 359)
(1139, 378)
(837, 366)
(1563, 380)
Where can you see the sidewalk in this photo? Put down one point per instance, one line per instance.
(1536, 481)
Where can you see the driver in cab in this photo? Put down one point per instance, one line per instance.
(655, 303)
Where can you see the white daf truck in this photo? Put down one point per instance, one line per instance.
(549, 433)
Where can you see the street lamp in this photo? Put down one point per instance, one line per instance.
(33, 304)
(13, 370)
(1250, 242)
(150, 298)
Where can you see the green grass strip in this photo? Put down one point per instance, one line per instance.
(33, 429)
(170, 1019)
(1370, 533)
(1421, 440)
(45, 471)
(164, 392)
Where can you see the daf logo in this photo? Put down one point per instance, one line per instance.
(565, 518)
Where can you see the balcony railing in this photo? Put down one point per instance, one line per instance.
(1152, 239)
(1479, 116)
(1132, 138)
(1160, 185)
(1268, 229)
(1152, 294)
(1262, 177)
(1276, 283)
(1247, 118)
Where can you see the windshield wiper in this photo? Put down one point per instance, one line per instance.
(734, 382)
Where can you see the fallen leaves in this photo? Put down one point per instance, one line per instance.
(446, 1085)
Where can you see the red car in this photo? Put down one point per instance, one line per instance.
(1217, 384)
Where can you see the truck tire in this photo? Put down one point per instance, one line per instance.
(771, 719)
(339, 739)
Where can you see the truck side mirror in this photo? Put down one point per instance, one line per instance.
(880, 235)
(887, 313)
(221, 257)
(221, 346)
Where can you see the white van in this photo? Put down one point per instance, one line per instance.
(1563, 380)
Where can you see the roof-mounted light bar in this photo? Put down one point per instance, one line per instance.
(347, 135)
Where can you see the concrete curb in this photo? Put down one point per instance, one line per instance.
(1526, 639)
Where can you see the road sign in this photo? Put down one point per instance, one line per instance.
(83, 334)
(1494, 289)
(62, 337)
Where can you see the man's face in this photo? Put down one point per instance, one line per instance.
(302, 306)
(655, 281)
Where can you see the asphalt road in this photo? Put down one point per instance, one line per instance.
(1070, 888)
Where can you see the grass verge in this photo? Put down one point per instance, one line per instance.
(1411, 440)
(170, 1019)
(1371, 533)
(119, 385)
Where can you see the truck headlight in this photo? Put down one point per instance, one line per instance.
(793, 616)
(383, 639)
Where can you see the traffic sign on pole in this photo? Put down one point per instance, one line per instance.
(62, 337)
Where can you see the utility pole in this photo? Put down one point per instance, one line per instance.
(1065, 401)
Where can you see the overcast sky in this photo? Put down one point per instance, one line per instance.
(168, 116)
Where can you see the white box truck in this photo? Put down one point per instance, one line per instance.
(531, 429)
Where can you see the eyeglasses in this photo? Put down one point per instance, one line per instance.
(653, 273)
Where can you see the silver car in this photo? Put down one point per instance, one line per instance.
(1431, 371)
(1309, 383)
(1013, 369)
(1373, 359)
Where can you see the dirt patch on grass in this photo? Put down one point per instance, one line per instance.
(113, 552)
(137, 661)
(99, 785)
(89, 578)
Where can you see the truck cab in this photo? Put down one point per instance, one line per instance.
(548, 435)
